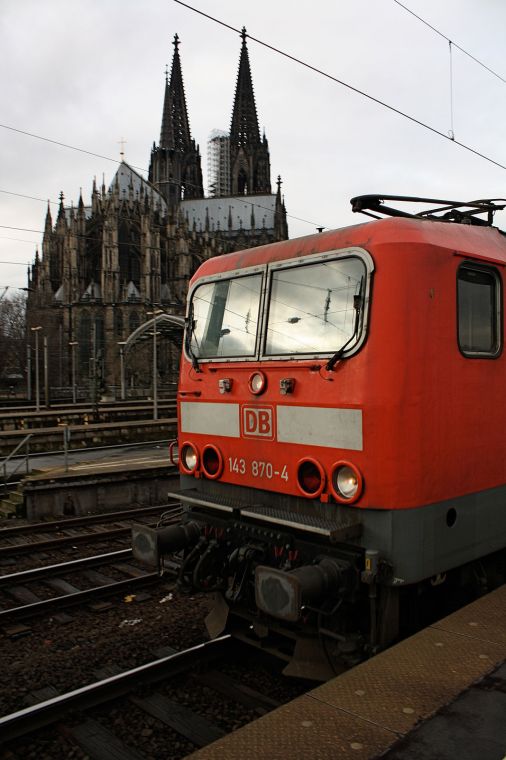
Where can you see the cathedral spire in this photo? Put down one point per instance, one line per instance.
(48, 227)
(244, 129)
(249, 155)
(280, 223)
(167, 131)
(177, 104)
(175, 164)
(61, 211)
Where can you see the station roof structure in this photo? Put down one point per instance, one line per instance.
(169, 326)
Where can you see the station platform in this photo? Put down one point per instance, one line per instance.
(43, 439)
(102, 484)
(439, 695)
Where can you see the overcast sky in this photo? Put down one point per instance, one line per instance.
(89, 72)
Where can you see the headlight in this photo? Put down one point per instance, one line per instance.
(257, 383)
(346, 482)
(189, 458)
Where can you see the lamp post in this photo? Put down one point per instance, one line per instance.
(122, 345)
(155, 314)
(29, 372)
(94, 360)
(46, 373)
(73, 344)
(37, 386)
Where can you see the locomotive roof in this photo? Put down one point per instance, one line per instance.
(477, 241)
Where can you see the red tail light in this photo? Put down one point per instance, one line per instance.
(310, 477)
(212, 462)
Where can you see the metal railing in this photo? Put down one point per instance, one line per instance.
(85, 395)
(26, 459)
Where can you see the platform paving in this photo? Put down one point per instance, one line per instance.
(425, 695)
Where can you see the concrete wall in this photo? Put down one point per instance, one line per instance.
(82, 495)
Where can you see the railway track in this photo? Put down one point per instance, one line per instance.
(152, 691)
(69, 595)
(72, 522)
(10, 546)
(66, 580)
(49, 711)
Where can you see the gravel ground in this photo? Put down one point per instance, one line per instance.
(66, 651)
(65, 656)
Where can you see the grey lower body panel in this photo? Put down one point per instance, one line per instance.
(419, 542)
(435, 538)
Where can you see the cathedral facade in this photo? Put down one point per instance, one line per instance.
(133, 249)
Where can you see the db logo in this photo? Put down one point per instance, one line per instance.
(257, 422)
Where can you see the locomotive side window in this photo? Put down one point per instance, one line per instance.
(479, 305)
(315, 308)
(224, 317)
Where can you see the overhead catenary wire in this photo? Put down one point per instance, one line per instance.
(91, 238)
(452, 131)
(21, 229)
(18, 240)
(29, 197)
(452, 42)
(65, 145)
(450, 135)
(215, 236)
(238, 198)
(348, 86)
(81, 236)
(131, 166)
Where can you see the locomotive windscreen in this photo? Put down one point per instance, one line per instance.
(225, 317)
(312, 308)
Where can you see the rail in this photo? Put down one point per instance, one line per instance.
(31, 547)
(61, 524)
(43, 714)
(48, 571)
(65, 601)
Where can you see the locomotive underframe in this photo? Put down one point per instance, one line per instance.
(332, 631)
(372, 593)
(418, 543)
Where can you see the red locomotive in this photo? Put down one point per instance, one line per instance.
(342, 424)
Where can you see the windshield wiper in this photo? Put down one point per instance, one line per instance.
(358, 303)
(190, 327)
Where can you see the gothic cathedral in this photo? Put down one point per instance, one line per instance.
(106, 265)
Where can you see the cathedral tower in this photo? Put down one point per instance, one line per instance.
(249, 155)
(175, 164)
(136, 244)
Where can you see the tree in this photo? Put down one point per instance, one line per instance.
(13, 339)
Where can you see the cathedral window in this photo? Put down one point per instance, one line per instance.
(129, 253)
(242, 182)
(118, 323)
(84, 341)
(134, 321)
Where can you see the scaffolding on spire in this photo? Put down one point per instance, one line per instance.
(218, 163)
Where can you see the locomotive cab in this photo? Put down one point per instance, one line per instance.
(334, 462)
